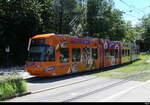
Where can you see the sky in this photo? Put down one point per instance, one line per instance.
(135, 9)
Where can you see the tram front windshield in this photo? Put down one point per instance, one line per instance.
(41, 53)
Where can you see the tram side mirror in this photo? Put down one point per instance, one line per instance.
(58, 47)
(29, 43)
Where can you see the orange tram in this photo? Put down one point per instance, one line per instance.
(54, 54)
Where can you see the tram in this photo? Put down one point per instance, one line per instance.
(55, 54)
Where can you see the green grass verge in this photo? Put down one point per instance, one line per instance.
(140, 67)
(11, 86)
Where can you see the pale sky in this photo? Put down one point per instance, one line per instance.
(135, 9)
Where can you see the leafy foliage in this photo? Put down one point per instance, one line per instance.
(11, 86)
(103, 21)
(21, 19)
(145, 27)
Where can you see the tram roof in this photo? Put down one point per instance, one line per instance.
(43, 35)
(52, 34)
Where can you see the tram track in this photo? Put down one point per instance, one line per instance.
(69, 84)
(123, 80)
(65, 85)
(92, 92)
(96, 91)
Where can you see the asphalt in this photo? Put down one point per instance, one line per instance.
(137, 93)
(94, 90)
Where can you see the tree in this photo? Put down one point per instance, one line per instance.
(64, 11)
(146, 33)
(103, 21)
(92, 13)
(20, 19)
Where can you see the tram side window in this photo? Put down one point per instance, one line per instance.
(122, 52)
(86, 53)
(64, 55)
(50, 53)
(116, 52)
(126, 52)
(137, 52)
(133, 52)
(112, 52)
(94, 53)
(76, 55)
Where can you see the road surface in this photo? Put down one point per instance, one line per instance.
(85, 88)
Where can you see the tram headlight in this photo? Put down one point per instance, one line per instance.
(49, 69)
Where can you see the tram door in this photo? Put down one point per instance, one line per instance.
(100, 53)
(117, 55)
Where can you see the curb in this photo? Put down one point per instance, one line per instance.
(17, 95)
(23, 94)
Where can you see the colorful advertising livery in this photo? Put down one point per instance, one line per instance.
(54, 54)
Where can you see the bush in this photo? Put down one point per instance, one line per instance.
(11, 86)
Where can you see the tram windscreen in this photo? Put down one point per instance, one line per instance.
(41, 53)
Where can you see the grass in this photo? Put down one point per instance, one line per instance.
(11, 86)
(140, 67)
